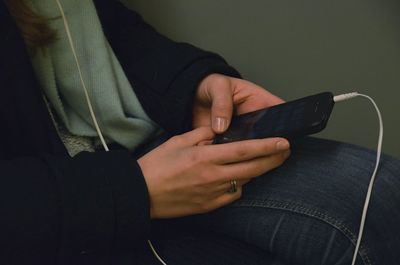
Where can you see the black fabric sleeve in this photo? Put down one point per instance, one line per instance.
(163, 73)
(55, 209)
(61, 210)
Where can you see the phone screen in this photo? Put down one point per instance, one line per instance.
(292, 119)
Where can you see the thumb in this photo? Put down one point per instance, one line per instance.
(221, 108)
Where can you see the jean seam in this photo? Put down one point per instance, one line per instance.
(308, 211)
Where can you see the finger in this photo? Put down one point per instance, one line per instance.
(226, 185)
(221, 107)
(273, 99)
(252, 168)
(215, 190)
(269, 98)
(245, 150)
(253, 97)
(224, 199)
(194, 137)
(221, 200)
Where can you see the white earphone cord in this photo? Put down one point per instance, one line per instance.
(71, 43)
(336, 99)
(378, 158)
(96, 125)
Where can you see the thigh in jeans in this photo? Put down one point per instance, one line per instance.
(308, 211)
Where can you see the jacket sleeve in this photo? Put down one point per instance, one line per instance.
(61, 210)
(163, 73)
(55, 209)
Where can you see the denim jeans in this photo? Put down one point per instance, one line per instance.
(307, 212)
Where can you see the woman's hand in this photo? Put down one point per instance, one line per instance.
(185, 177)
(218, 95)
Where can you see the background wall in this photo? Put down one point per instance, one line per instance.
(296, 48)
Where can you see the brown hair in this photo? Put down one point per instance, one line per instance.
(33, 27)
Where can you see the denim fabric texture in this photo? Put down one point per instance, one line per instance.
(307, 212)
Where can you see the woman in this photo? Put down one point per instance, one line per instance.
(64, 201)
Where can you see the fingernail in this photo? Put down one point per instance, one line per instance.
(282, 145)
(220, 124)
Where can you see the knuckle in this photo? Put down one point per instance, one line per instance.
(223, 105)
(240, 152)
(206, 131)
(176, 140)
(194, 157)
(201, 178)
(218, 175)
(206, 178)
(209, 175)
(219, 80)
(269, 146)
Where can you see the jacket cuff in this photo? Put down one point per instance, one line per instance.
(104, 203)
(131, 204)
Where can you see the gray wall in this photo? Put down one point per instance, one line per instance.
(298, 47)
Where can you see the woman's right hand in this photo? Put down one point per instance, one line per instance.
(186, 177)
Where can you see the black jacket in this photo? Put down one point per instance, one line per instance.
(60, 210)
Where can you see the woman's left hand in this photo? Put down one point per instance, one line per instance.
(218, 96)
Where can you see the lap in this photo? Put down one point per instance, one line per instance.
(308, 211)
(182, 246)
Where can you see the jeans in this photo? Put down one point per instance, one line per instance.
(306, 212)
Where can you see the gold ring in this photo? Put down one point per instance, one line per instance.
(233, 188)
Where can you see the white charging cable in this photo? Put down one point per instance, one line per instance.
(78, 66)
(92, 114)
(378, 158)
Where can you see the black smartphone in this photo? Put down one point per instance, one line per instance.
(292, 119)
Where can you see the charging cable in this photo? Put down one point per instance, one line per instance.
(78, 66)
(378, 158)
(92, 114)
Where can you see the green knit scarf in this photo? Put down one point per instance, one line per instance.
(119, 113)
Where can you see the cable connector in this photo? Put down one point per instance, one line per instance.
(346, 96)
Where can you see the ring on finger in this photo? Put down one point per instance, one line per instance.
(233, 188)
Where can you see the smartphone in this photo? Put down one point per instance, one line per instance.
(292, 119)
